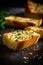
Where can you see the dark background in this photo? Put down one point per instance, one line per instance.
(15, 3)
(12, 3)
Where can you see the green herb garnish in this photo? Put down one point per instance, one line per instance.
(3, 14)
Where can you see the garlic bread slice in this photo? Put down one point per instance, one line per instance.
(35, 7)
(22, 21)
(20, 39)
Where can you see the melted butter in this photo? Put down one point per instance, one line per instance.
(21, 35)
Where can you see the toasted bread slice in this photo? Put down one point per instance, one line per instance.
(22, 22)
(36, 29)
(35, 7)
(20, 39)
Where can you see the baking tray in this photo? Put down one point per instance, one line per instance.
(31, 55)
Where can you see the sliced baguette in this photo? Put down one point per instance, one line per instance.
(22, 22)
(21, 39)
(35, 7)
(36, 29)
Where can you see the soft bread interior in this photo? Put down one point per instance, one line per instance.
(38, 30)
(29, 38)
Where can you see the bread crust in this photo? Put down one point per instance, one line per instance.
(20, 44)
(22, 22)
(35, 7)
(34, 10)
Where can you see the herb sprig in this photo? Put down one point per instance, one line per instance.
(3, 14)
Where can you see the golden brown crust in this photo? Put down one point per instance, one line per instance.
(20, 21)
(35, 7)
(31, 41)
(20, 44)
(31, 12)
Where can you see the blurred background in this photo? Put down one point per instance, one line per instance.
(12, 3)
(16, 3)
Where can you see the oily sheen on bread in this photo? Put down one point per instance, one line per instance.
(20, 39)
(36, 29)
(22, 21)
